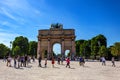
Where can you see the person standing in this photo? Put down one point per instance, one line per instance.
(45, 62)
(4, 59)
(18, 58)
(59, 60)
(39, 60)
(26, 60)
(113, 61)
(15, 62)
(62, 60)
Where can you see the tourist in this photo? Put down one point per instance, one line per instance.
(103, 61)
(15, 62)
(22, 61)
(4, 59)
(113, 61)
(9, 59)
(80, 61)
(62, 59)
(33, 58)
(53, 62)
(45, 62)
(68, 62)
(39, 60)
(18, 58)
(26, 60)
(59, 60)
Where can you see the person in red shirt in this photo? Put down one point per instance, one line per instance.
(68, 62)
(53, 62)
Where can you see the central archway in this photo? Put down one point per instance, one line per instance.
(56, 49)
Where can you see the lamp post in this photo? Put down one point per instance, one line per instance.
(10, 48)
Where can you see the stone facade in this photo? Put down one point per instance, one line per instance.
(48, 37)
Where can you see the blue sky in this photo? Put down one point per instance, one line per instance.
(88, 17)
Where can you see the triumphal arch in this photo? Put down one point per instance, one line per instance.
(56, 34)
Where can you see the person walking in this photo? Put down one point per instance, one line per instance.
(113, 61)
(103, 61)
(68, 62)
(53, 62)
(81, 61)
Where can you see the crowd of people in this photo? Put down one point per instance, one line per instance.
(19, 61)
(23, 61)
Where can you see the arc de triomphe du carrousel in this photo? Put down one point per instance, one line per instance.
(56, 34)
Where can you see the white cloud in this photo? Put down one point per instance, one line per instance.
(5, 38)
(18, 10)
(7, 13)
(8, 24)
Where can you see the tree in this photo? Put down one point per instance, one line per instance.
(33, 48)
(103, 51)
(23, 44)
(78, 45)
(96, 44)
(87, 48)
(115, 49)
(101, 40)
(4, 50)
(94, 48)
(16, 51)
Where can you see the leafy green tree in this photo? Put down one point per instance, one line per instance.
(78, 44)
(23, 44)
(115, 49)
(109, 54)
(103, 51)
(87, 48)
(4, 50)
(101, 40)
(94, 48)
(33, 48)
(16, 51)
(96, 44)
(82, 50)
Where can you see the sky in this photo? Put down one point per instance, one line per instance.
(88, 17)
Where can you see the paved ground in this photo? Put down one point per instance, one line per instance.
(91, 71)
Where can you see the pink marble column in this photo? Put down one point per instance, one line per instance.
(63, 53)
(48, 48)
(38, 49)
(73, 48)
